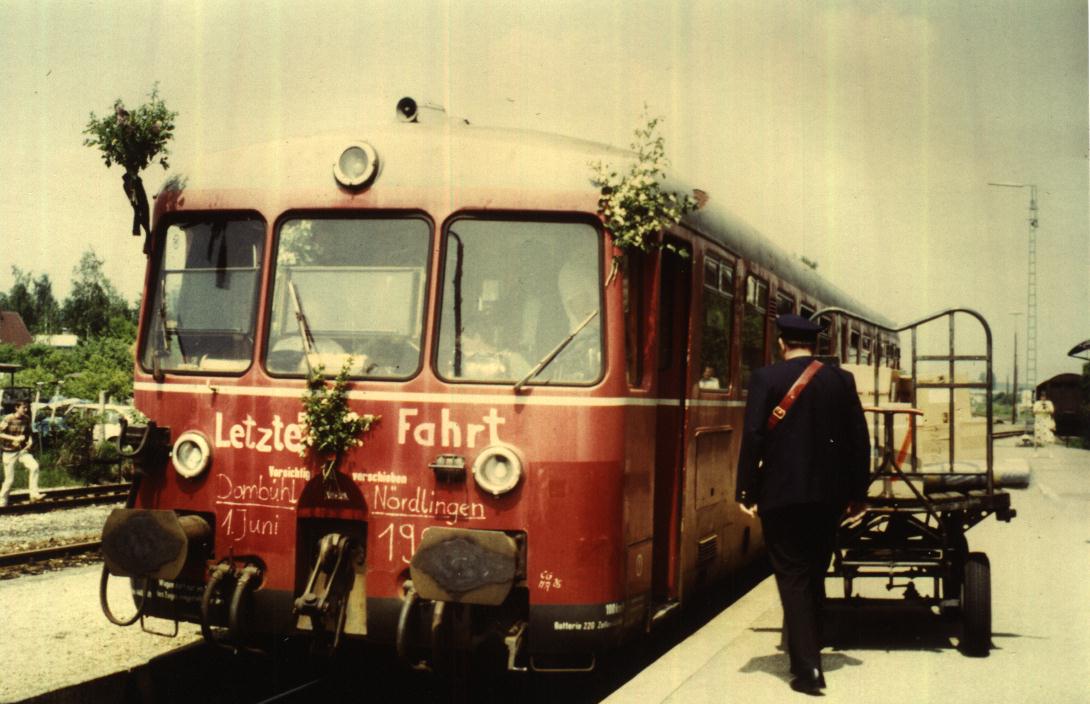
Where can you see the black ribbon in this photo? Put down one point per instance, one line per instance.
(138, 199)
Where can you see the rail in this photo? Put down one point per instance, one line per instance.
(69, 497)
(51, 552)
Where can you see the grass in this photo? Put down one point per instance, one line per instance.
(52, 473)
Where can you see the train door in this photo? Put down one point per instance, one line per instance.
(673, 358)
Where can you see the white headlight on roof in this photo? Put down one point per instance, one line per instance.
(192, 454)
(357, 165)
(497, 469)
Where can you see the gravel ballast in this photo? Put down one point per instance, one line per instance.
(53, 633)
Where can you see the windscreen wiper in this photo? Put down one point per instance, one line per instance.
(162, 340)
(304, 326)
(548, 358)
(459, 256)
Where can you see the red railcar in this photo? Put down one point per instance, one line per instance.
(553, 460)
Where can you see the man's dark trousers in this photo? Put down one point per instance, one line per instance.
(800, 540)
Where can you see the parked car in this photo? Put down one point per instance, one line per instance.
(49, 417)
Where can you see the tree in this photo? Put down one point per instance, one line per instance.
(47, 311)
(93, 307)
(105, 364)
(33, 300)
(100, 364)
(20, 299)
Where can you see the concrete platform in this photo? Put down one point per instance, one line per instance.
(900, 651)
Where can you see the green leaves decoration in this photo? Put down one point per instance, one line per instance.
(133, 139)
(634, 206)
(331, 428)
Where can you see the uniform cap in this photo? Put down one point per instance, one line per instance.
(795, 328)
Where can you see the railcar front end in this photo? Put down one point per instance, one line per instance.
(486, 500)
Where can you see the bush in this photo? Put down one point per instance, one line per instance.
(78, 454)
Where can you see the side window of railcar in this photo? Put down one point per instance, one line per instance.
(349, 290)
(519, 295)
(718, 315)
(785, 303)
(753, 326)
(825, 337)
(204, 298)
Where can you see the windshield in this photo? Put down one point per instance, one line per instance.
(513, 292)
(356, 286)
(204, 299)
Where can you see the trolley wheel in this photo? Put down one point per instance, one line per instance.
(976, 605)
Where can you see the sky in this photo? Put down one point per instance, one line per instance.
(859, 133)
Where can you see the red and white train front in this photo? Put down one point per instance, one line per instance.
(477, 327)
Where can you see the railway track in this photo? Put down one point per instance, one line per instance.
(51, 552)
(71, 497)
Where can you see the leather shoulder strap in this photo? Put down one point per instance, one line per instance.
(788, 400)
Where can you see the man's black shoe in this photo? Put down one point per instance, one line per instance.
(811, 683)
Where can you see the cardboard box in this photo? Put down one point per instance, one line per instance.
(970, 441)
(865, 383)
(935, 403)
(932, 439)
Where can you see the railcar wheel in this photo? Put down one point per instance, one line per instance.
(976, 605)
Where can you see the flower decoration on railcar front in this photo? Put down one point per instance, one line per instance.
(134, 139)
(634, 207)
(330, 427)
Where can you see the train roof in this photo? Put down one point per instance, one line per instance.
(1078, 350)
(449, 155)
(452, 155)
(738, 236)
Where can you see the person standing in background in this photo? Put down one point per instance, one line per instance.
(15, 444)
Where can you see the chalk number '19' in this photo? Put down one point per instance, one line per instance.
(398, 537)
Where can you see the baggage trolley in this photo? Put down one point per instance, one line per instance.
(917, 515)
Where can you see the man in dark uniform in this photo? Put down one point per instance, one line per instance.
(805, 458)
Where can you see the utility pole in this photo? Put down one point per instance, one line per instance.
(1014, 398)
(1014, 401)
(1031, 284)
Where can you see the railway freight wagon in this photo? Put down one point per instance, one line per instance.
(553, 454)
(1065, 393)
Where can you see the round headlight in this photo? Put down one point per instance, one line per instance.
(356, 165)
(497, 470)
(191, 454)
